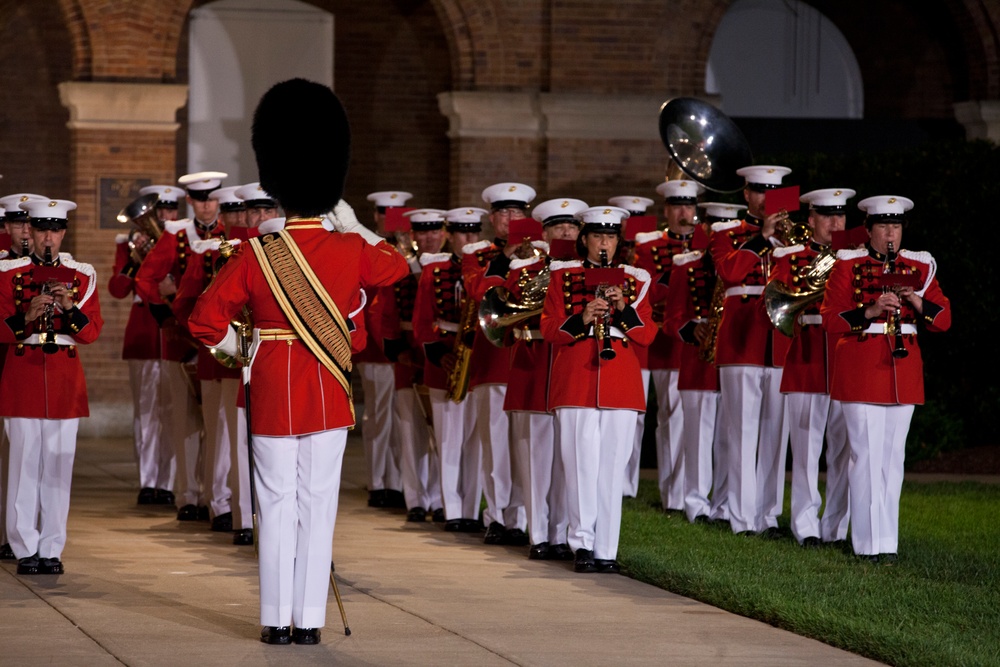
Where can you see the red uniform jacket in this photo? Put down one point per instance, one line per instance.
(579, 377)
(807, 361)
(291, 392)
(489, 364)
(372, 321)
(864, 369)
(142, 338)
(438, 307)
(688, 303)
(746, 336)
(35, 384)
(654, 253)
(530, 355)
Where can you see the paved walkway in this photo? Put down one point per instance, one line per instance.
(144, 589)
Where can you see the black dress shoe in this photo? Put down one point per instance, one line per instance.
(203, 513)
(243, 537)
(607, 566)
(163, 497)
(888, 559)
(516, 537)
(539, 551)
(560, 552)
(838, 544)
(471, 526)
(416, 515)
(6, 553)
(187, 513)
(437, 516)
(495, 534)
(453, 525)
(276, 635)
(868, 558)
(27, 565)
(394, 498)
(376, 498)
(147, 496)
(811, 543)
(223, 523)
(584, 561)
(305, 635)
(771, 533)
(50, 566)
(703, 520)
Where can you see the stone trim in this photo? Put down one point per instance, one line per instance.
(122, 106)
(981, 119)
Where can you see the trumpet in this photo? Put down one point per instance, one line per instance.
(602, 325)
(893, 324)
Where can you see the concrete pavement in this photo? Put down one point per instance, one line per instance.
(142, 588)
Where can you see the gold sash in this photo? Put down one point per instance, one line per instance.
(307, 305)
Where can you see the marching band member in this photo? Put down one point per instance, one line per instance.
(873, 300)
(260, 206)
(594, 396)
(156, 283)
(49, 305)
(486, 264)
(534, 448)
(751, 419)
(300, 394)
(378, 379)
(437, 312)
(805, 382)
(688, 307)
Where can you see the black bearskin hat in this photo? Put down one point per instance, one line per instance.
(302, 141)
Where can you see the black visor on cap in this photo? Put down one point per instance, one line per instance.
(426, 226)
(48, 224)
(884, 217)
(200, 195)
(464, 226)
(601, 227)
(830, 210)
(508, 203)
(261, 203)
(560, 219)
(762, 187)
(682, 201)
(232, 206)
(165, 203)
(16, 215)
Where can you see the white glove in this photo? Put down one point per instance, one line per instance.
(345, 222)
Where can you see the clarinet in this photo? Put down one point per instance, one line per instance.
(48, 336)
(899, 350)
(602, 325)
(24, 248)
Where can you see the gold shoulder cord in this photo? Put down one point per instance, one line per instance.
(307, 305)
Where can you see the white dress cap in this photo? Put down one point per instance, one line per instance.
(886, 205)
(680, 188)
(722, 211)
(632, 203)
(503, 195)
(603, 216)
(830, 198)
(167, 194)
(764, 174)
(227, 197)
(202, 180)
(557, 211)
(389, 198)
(54, 209)
(252, 194)
(425, 216)
(12, 204)
(466, 215)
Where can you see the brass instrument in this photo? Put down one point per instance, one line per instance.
(141, 213)
(602, 325)
(706, 350)
(406, 246)
(784, 303)
(498, 311)
(893, 323)
(47, 338)
(458, 377)
(243, 324)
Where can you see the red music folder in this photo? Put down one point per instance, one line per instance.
(524, 228)
(562, 249)
(782, 199)
(608, 276)
(639, 224)
(54, 274)
(395, 221)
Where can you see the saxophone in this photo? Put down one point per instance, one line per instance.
(706, 351)
(458, 378)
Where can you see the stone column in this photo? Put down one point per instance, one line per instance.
(981, 119)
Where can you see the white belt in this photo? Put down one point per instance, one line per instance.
(61, 339)
(527, 334)
(810, 319)
(876, 328)
(446, 326)
(754, 290)
(406, 326)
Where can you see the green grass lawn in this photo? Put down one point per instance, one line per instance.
(939, 605)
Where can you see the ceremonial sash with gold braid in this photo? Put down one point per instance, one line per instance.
(306, 303)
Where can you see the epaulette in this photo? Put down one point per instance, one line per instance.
(921, 256)
(688, 257)
(476, 247)
(852, 253)
(271, 226)
(86, 269)
(434, 257)
(11, 264)
(527, 261)
(725, 225)
(787, 250)
(559, 265)
(645, 237)
(121, 238)
(184, 224)
(636, 272)
(201, 246)
(541, 245)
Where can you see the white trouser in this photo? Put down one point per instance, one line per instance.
(811, 417)
(182, 430)
(421, 480)
(539, 465)
(876, 435)
(297, 480)
(382, 453)
(669, 426)
(697, 437)
(755, 432)
(153, 457)
(4, 468)
(39, 478)
(594, 445)
(218, 409)
(239, 475)
(458, 455)
(837, 511)
(504, 498)
(634, 463)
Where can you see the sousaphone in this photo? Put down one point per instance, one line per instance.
(704, 144)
